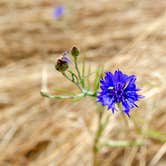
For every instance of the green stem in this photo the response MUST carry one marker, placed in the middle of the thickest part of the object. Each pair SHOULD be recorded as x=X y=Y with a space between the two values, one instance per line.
x=78 y=71
x=83 y=94
x=61 y=97
x=74 y=75
x=97 y=137
x=66 y=76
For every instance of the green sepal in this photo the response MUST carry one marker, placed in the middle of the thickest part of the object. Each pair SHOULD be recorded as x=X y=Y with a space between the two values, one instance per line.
x=75 y=52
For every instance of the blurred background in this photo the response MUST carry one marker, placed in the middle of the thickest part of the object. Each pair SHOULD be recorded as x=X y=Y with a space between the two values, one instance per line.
x=125 y=34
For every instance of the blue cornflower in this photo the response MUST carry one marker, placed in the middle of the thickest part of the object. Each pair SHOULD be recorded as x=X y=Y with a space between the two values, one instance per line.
x=118 y=88
x=58 y=12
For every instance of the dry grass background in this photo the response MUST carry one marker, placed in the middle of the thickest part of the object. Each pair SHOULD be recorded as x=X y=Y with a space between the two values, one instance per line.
x=125 y=34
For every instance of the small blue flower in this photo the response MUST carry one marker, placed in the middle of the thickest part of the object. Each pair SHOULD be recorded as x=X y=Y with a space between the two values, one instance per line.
x=58 y=12
x=118 y=88
x=65 y=57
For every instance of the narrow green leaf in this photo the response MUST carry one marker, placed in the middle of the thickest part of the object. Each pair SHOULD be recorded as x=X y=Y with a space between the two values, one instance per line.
x=83 y=66
x=88 y=76
x=83 y=72
x=97 y=79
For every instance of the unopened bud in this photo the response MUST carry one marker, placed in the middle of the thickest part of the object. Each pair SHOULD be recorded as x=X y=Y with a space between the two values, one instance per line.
x=75 y=52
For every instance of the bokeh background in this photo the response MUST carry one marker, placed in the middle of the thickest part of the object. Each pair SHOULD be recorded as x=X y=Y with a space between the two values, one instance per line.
x=125 y=34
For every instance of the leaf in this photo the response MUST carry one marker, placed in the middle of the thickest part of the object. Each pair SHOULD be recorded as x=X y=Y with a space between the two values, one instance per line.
x=83 y=67
x=97 y=79
x=88 y=77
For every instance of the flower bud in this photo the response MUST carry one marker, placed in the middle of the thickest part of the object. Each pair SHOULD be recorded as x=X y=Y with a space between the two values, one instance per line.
x=62 y=63
x=75 y=52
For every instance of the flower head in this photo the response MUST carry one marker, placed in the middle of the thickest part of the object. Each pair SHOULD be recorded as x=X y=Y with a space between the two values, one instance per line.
x=58 y=12
x=63 y=62
x=118 y=88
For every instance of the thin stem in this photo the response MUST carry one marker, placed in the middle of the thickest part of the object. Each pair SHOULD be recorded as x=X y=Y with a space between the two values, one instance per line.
x=84 y=91
x=83 y=94
x=78 y=71
x=97 y=137
x=45 y=94
x=83 y=72
x=73 y=74
x=66 y=76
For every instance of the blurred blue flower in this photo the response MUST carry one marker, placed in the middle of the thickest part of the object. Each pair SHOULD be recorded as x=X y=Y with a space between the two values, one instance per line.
x=118 y=88
x=65 y=57
x=58 y=12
